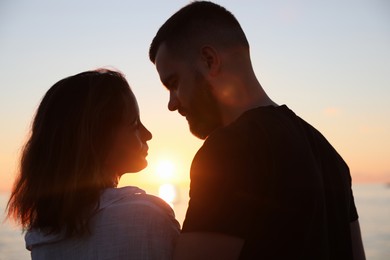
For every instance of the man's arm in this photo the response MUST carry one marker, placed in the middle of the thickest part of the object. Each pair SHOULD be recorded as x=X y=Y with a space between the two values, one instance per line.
x=207 y=246
x=357 y=243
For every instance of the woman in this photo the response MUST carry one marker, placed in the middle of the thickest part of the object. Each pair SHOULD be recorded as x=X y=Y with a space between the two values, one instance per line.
x=87 y=133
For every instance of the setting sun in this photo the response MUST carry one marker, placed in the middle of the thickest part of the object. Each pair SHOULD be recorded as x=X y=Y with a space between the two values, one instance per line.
x=165 y=169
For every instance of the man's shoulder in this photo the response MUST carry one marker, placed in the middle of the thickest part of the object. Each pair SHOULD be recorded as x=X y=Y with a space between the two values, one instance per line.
x=255 y=122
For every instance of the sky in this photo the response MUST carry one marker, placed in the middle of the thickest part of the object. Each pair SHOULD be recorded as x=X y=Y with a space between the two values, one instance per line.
x=329 y=61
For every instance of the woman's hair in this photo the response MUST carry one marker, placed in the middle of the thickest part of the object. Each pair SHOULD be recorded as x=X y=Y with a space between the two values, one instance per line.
x=61 y=171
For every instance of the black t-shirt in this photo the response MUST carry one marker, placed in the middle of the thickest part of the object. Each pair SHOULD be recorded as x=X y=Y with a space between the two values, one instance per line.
x=275 y=181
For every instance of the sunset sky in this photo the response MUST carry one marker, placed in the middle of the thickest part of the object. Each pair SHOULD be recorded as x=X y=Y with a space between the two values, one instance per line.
x=329 y=61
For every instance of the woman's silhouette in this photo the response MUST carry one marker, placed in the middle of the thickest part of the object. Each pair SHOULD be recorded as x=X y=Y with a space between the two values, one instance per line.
x=85 y=135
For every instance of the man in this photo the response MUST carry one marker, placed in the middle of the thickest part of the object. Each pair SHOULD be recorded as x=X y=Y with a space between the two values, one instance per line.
x=265 y=184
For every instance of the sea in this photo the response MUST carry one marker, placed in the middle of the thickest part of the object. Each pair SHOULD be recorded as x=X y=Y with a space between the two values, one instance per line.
x=372 y=201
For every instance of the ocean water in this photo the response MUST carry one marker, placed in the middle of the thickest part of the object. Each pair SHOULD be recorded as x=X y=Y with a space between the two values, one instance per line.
x=373 y=204
x=372 y=200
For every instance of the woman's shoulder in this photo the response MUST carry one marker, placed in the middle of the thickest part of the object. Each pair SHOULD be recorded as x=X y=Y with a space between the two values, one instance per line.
x=134 y=201
x=128 y=195
x=138 y=221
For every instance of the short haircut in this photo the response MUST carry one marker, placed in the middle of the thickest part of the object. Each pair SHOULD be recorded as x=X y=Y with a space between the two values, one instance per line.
x=200 y=22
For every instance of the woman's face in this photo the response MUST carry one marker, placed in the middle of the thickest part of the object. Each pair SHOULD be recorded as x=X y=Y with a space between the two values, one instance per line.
x=128 y=149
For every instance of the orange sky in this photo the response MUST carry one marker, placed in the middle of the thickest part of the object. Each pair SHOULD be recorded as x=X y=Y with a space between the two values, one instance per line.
x=329 y=61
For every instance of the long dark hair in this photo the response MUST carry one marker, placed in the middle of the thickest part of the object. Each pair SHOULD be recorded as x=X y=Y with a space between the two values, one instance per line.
x=61 y=171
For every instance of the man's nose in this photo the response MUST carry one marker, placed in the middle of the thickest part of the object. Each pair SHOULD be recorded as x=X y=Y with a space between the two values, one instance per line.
x=173 y=103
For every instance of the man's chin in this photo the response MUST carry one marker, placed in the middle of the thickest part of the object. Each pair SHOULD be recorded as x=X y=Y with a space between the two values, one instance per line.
x=199 y=132
x=200 y=136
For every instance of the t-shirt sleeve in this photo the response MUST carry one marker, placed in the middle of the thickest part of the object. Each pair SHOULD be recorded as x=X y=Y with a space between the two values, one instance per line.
x=352 y=209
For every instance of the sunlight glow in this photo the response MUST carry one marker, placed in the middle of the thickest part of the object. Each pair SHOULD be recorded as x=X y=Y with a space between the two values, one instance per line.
x=165 y=169
x=168 y=193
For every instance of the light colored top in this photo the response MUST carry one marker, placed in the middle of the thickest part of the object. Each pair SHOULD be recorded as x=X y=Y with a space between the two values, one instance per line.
x=129 y=224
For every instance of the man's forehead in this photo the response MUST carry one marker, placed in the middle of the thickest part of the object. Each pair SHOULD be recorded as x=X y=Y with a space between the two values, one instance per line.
x=166 y=64
x=163 y=54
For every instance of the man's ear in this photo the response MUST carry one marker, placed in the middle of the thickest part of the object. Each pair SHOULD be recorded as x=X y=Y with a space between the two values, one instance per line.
x=211 y=60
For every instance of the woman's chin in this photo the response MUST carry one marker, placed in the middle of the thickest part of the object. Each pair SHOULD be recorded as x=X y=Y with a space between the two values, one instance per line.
x=137 y=168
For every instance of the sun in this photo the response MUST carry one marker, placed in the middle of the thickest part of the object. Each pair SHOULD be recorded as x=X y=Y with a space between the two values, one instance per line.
x=165 y=170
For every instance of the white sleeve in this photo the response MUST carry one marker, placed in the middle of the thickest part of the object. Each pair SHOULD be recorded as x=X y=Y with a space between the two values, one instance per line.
x=142 y=228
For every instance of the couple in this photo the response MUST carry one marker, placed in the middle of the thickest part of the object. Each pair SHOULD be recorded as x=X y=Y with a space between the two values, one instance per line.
x=264 y=185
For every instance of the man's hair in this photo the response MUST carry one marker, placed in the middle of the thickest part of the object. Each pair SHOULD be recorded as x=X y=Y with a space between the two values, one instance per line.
x=200 y=22
x=61 y=171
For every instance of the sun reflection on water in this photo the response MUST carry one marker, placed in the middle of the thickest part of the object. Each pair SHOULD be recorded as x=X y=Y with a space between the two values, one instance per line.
x=168 y=192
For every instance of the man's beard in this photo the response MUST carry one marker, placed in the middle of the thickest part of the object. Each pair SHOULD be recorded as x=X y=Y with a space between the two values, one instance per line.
x=204 y=115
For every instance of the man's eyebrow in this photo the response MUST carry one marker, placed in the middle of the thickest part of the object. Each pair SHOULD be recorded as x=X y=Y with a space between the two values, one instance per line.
x=166 y=81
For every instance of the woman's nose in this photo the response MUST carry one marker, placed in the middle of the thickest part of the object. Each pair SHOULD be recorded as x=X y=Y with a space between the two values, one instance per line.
x=147 y=135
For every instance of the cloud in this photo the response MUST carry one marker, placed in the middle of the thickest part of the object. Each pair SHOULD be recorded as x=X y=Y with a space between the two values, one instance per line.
x=332 y=112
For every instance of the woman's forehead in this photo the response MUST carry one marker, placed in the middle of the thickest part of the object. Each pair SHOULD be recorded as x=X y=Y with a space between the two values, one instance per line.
x=132 y=109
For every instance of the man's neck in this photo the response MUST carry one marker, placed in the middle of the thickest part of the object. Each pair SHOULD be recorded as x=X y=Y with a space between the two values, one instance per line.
x=230 y=114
